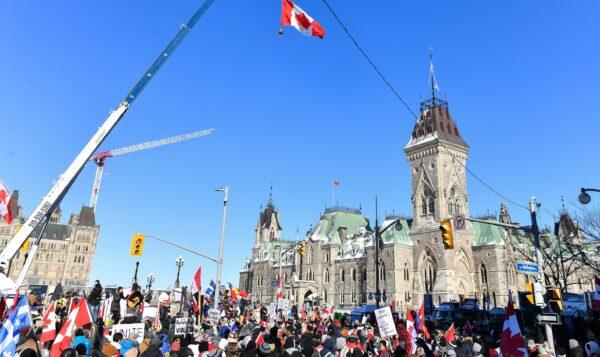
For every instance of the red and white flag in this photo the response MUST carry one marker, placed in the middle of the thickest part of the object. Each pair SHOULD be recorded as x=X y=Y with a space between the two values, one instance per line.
x=5 y=200
x=49 y=324
x=512 y=343
x=450 y=334
x=279 y=294
x=156 y=325
x=421 y=324
x=196 y=283
x=260 y=339
x=412 y=331
x=596 y=301
x=336 y=184
x=78 y=317
x=292 y=15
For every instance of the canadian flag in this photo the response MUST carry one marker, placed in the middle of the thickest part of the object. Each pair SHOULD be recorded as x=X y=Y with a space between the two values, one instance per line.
x=5 y=201
x=78 y=317
x=421 y=321
x=596 y=302
x=412 y=331
x=292 y=15
x=450 y=334
x=512 y=343
x=49 y=324
x=260 y=339
x=279 y=294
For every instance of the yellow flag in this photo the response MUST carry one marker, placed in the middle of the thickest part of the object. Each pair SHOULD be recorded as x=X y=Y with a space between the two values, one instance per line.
x=25 y=246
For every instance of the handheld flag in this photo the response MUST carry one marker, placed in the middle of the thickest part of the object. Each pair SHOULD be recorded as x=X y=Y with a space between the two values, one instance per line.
x=512 y=343
x=11 y=329
x=412 y=331
x=49 y=324
x=5 y=203
x=292 y=15
x=421 y=321
x=450 y=334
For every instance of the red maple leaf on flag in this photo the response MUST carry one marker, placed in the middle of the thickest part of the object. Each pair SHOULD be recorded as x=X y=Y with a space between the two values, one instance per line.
x=302 y=20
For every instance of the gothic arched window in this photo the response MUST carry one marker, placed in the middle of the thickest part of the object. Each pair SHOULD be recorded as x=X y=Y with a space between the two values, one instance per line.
x=326 y=278
x=483 y=272
x=353 y=275
x=342 y=275
x=428 y=202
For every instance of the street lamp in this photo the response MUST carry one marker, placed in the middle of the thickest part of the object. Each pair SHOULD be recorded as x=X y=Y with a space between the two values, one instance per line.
x=225 y=190
x=585 y=197
x=150 y=279
x=179 y=263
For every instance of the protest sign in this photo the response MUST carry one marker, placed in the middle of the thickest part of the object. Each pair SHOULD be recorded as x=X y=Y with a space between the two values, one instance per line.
x=129 y=329
x=184 y=326
x=385 y=322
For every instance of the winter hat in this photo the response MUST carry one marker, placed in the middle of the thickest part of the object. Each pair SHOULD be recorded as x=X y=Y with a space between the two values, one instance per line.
x=573 y=343
x=340 y=343
x=592 y=348
x=264 y=349
x=476 y=347
x=126 y=345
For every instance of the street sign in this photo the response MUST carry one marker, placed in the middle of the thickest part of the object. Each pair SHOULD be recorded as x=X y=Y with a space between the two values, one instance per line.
x=460 y=222
x=274 y=282
x=527 y=268
x=548 y=318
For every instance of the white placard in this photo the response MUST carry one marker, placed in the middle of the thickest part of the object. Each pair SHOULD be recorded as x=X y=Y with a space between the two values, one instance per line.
x=284 y=305
x=129 y=329
x=385 y=322
x=214 y=315
x=184 y=326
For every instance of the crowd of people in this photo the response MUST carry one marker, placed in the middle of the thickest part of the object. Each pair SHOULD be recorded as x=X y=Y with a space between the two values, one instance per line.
x=246 y=329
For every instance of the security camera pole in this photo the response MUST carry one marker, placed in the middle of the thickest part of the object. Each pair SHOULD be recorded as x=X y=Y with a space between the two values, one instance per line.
x=220 y=257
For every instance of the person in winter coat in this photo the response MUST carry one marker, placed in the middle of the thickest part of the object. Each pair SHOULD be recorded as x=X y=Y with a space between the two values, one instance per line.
x=115 y=306
x=94 y=299
x=81 y=339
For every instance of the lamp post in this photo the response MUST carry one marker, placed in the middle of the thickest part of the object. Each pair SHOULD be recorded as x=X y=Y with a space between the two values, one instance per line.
x=225 y=190
x=150 y=279
x=584 y=196
x=179 y=263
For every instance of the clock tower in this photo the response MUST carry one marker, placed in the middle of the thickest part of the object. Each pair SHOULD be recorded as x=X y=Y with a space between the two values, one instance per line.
x=437 y=155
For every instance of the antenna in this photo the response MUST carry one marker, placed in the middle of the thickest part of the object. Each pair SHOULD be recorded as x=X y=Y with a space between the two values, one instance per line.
x=432 y=81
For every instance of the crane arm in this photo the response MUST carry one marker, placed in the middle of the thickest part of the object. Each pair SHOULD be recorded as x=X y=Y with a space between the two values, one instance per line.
x=64 y=182
x=152 y=144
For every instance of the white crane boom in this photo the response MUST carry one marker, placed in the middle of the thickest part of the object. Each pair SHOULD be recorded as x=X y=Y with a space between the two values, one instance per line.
x=64 y=182
x=100 y=157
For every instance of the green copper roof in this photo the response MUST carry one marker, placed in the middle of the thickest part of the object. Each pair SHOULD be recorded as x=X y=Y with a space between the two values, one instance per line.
x=487 y=234
x=398 y=233
x=327 y=229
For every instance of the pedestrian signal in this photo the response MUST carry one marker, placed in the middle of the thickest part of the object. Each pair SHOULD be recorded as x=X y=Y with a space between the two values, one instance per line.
x=554 y=297
x=137 y=245
x=529 y=294
x=301 y=249
x=447 y=238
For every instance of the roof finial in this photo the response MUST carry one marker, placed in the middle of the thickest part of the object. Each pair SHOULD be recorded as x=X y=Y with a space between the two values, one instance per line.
x=562 y=200
x=432 y=81
x=271 y=195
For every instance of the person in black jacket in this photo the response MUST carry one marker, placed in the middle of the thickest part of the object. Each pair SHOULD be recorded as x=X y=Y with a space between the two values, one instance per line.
x=115 y=306
x=94 y=299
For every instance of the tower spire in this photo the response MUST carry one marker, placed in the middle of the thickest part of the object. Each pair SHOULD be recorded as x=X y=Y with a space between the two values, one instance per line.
x=271 y=194
x=432 y=81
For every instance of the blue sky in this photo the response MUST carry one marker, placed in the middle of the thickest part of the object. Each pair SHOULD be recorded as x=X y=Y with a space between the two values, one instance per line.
x=521 y=79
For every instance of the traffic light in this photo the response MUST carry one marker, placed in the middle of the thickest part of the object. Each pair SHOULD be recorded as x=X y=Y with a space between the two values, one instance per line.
x=302 y=249
x=554 y=298
x=137 y=245
x=447 y=238
x=529 y=295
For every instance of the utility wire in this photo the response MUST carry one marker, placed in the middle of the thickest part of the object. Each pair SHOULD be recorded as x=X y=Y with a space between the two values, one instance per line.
x=369 y=60
x=391 y=87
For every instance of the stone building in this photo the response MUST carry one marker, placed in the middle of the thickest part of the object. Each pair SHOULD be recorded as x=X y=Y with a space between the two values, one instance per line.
x=66 y=251
x=339 y=263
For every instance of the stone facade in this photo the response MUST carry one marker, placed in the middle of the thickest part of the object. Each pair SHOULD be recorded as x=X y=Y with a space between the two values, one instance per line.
x=339 y=264
x=66 y=251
